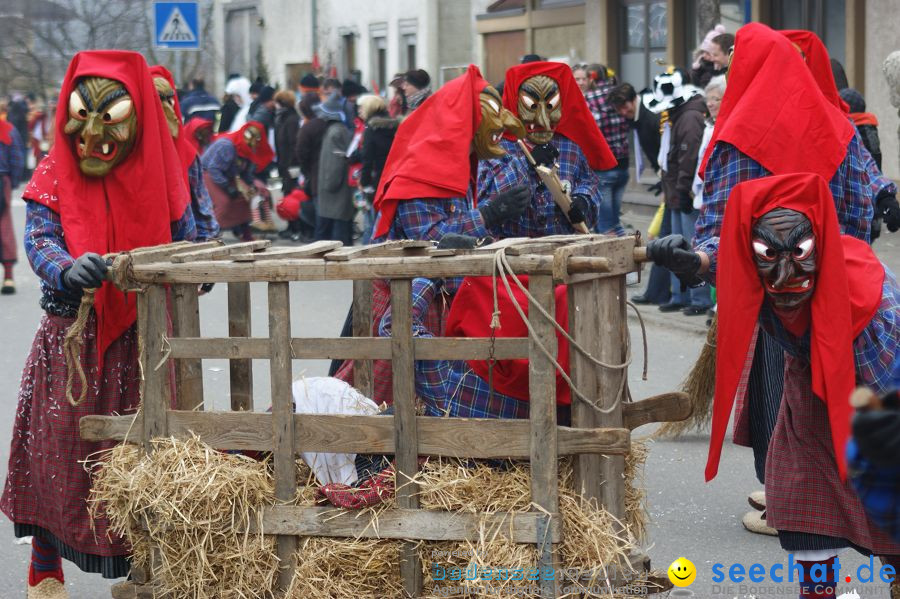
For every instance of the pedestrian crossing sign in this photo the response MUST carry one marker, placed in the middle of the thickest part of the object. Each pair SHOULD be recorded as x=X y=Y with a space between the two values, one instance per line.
x=177 y=25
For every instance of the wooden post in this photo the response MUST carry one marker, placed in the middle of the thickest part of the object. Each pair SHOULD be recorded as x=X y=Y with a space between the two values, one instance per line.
x=610 y=303
x=280 y=370
x=362 y=327
x=405 y=433
x=157 y=390
x=542 y=413
x=585 y=328
x=241 y=371
x=186 y=323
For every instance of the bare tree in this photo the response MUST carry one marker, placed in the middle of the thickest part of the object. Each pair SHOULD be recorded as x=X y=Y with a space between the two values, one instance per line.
x=708 y=15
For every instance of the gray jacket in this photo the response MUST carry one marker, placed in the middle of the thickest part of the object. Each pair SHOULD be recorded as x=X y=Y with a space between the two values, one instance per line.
x=335 y=198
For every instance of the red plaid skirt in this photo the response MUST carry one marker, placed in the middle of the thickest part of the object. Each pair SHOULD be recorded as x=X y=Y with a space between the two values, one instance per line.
x=46 y=485
x=8 y=249
x=804 y=492
x=382 y=376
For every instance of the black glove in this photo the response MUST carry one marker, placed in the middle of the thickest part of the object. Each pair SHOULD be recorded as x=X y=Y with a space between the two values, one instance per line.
x=674 y=253
x=655 y=189
x=88 y=272
x=875 y=229
x=455 y=241
x=888 y=209
x=545 y=154
x=685 y=202
x=877 y=435
x=580 y=207
x=504 y=206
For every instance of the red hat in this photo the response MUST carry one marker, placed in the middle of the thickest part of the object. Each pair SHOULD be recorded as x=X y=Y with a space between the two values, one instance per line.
x=577 y=122
x=839 y=312
x=193 y=126
x=816 y=56
x=134 y=205
x=773 y=110
x=187 y=151
x=5 y=132
x=470 y=316
x=431 y=155
x=262 y=156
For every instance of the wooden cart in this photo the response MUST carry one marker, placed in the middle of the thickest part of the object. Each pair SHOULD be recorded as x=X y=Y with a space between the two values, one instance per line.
x=594 y=268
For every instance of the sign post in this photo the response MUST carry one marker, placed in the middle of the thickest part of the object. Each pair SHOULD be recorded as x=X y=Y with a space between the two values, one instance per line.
x=177 y=27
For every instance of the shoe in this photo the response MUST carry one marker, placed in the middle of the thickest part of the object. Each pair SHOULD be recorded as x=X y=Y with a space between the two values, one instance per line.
x=694 y=311
x=641 y=299
x=49 y=588
x=711 y=312
x=755 y=522
x=263 y=226
x=757 y=500
x=671 y=307
x=286 y=234
x=9 y=287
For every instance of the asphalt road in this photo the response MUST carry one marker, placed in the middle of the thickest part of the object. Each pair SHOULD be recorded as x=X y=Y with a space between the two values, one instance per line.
x=689 y=517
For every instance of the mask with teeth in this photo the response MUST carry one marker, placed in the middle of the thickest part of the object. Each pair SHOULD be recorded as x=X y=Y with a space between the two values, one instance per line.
x=539 y=108
x=252 y=136
x=494 y=120
x=102 y=124
x=784 y=247
x=167 y=98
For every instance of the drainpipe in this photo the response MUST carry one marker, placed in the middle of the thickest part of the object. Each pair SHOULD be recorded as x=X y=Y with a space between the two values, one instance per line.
x=315 y=27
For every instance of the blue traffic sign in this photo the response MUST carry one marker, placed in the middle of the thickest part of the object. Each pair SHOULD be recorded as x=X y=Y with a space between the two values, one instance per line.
x=177 y=25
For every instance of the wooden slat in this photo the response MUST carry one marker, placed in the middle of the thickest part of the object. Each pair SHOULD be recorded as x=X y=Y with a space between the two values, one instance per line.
x=165 y=252
x=281 y=373
x=406 y=450
x=131 y=590
x=542 y=416
x=387 y=248
x=610 y=303
x=314 y=249
x=157 y=389
x=186 y=323
x=451 y=437
x=585 y=327
x=668 y=407
x=401 y=523
x=362 y=327
x=221 y=251
x=362 y=348
x=240 y=372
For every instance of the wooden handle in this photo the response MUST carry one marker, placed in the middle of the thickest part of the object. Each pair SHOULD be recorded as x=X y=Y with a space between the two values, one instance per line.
x=587 y=264
x=640 y=254
x=526 y=152
x=582 y=228
x=864 y=399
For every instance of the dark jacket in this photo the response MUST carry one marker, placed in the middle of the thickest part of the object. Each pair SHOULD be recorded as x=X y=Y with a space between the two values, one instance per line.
x=287 y=124
x=307 y=151
x=687 y=134
x=869 y=135
x=199 y=103
x=335 y=197
x=647 y=126
x=262 y=115
x=376 y=144
x=706 y=71
x=227 y=114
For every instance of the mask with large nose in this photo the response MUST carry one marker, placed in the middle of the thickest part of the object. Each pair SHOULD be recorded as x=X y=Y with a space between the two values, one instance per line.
x=167 y=99
x=539 y=108
x=784 y=247
x=102 y=124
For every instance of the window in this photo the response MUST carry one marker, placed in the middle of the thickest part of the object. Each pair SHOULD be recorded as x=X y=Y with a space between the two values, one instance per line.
x=348 y=53
x=826 y=18
x=379 y=48
x=408 y=51
x=644 y=44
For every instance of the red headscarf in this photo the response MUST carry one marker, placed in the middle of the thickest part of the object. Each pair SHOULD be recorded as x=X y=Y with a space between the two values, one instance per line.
x=192 y=126
x=262 y=156
x=5 y=132
x=470 y=316
x=774 y=112
x=431 y=155
x=186 y=150
x=130 y=207
x=577 y=122
x=839 y=311
x=816 y=57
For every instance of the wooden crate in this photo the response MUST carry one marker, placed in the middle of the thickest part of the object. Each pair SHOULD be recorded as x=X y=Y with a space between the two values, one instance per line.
x=594 y=267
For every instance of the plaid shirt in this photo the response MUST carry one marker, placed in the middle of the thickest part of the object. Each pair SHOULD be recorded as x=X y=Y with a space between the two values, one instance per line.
x=851 y=187
x=201 y=204
x=451 y=388
x=877 y=180
x=613 y=127
x=542 y=217
x=12 y=158
x=432 y=218
x=221 y=161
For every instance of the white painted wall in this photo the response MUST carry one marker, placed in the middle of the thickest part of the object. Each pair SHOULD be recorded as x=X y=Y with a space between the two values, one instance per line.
x=882 y=24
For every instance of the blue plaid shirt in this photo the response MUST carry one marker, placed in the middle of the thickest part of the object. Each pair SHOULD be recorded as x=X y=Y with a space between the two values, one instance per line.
x=430 y=219
x=451 y=388
x=613 y=127
x=221 y=161
x=851 y=187
x=12 y=158
x=201 y=204
x=542 y=217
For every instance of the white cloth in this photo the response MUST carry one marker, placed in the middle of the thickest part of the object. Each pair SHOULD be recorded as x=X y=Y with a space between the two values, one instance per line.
x=664 y=142
x=327 y=395
x=639 y=164
x=239 y=87
x=697 y=185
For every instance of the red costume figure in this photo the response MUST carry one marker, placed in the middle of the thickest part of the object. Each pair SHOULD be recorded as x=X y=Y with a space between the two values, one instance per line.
x=112 y=182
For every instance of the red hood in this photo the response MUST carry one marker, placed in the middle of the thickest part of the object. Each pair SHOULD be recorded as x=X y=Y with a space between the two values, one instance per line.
x=187 y=151
x=816 y=57
x=262 y=156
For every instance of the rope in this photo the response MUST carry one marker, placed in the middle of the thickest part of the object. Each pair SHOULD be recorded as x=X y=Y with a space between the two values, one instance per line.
x=501 y=265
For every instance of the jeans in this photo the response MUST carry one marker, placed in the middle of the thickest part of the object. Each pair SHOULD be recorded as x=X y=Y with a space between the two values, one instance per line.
x=612 y=188
x=683 y=224
x=334 y=229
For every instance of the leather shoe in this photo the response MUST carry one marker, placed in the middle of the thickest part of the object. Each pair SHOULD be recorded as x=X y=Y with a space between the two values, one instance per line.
x=641 y=299
x=694 y=311
x=671 y=307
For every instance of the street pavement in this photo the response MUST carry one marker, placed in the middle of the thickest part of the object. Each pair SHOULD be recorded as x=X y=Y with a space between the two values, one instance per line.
x=690 y=518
